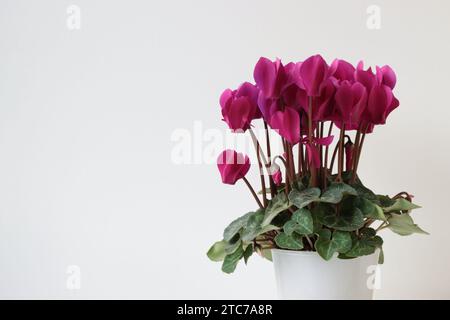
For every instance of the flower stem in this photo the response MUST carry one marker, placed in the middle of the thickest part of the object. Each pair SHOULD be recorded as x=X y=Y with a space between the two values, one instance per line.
x=269 y=162
x=253 y=192
x=261 y=172
x=326 y=156
x=310 y=138
x=355 y=154
x=355 y=169
x=341 y=154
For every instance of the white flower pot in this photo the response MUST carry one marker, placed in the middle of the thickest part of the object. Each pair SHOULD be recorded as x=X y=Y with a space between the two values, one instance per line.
x=305 y=275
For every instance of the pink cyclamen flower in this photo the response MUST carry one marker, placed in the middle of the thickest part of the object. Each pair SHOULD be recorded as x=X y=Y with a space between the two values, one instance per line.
x=366 y=77
x=277 y=177
x=272 y=77
x=351 y=99
x=380 y=104
x=240 y=107
x=386 y=76
x=287 y=123
x=342 y=70
x=232 y=166
x=313 y=71
x=276 y=83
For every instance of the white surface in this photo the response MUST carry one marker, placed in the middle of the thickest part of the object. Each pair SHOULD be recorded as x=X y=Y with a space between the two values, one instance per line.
x=306 y=276
x=86 y=118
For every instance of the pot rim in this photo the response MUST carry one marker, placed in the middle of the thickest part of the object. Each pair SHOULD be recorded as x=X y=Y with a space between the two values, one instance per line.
x=295 y=252
x=311 y=253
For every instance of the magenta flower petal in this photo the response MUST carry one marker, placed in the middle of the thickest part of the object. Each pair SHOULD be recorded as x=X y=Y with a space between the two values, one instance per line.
x=287 y=123
x=342 y=70
x=313 y=72
x=225 y=97
x=377 y=104
x=386 y=76
x=265 y=75
x=240 y=107
x=325 y=141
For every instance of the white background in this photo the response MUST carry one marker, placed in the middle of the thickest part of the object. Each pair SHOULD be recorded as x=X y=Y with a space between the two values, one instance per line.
x=86 y=119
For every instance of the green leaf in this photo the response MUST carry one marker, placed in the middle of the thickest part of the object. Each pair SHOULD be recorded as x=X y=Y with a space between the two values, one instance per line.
x=302 y=198
x=403 y=225
x=365 y=193
x=292 y=242
x=247 y=253
x=349 y=219
x=230 y=262
x=231 y=247
x=278 y=204
x=336 y=192
x=324 y=246
x=253 y=226
x=361 y=248
x=250 y=235
x=367 y=233
x=369 y=209
x=344 y=256
x=217 y=251
x=385 y=201
x=401 y=204
x=304 y=220
x=267 y=254
x=289 y=227
x=343 y=241
x=235 y=226
x=328 y=244
x=365 y=245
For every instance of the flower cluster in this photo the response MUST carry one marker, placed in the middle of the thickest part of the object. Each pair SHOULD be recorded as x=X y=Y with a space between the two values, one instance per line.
x=314 y=199
x=297 y=98
x=283 y=95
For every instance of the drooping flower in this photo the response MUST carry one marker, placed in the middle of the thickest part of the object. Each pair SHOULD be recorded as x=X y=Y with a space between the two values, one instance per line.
x=287 y=123
x=232 y=166
x=349 y=147
x=277 y=177
x=240 y=107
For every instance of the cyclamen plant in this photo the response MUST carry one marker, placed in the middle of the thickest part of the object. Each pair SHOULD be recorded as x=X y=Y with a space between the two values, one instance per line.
x=320 y=204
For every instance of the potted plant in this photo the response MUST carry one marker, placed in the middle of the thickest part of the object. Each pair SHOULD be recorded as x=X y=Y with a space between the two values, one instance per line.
x=315 y=218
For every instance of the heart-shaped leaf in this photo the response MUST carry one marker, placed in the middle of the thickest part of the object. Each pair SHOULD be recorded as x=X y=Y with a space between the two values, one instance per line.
x=217 y=251
x=401 y=204
x=278 y=204
x=235 y=226
x=369 y=209
x=304 y=220
x=292 y=242
x=302 y=198
x=336 y=191
x=230 y=262
x=404 y=225
x=349 y=219
x=324 y=246
x=343 y=241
